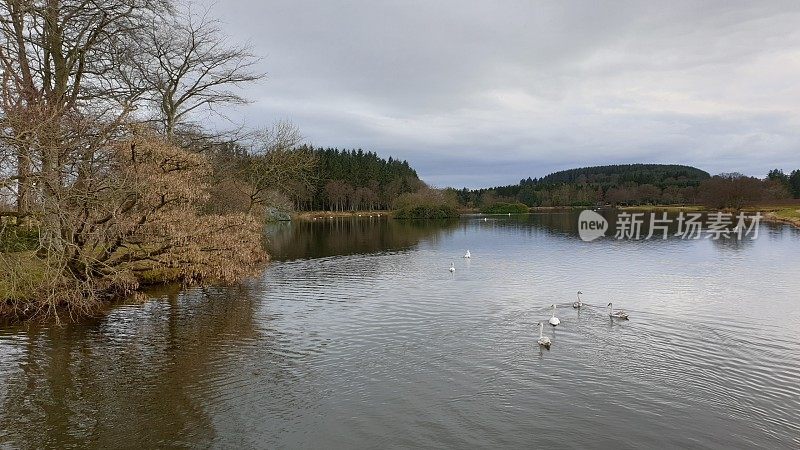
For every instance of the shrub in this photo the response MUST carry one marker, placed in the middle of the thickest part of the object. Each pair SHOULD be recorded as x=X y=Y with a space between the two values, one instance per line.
x=426 y=203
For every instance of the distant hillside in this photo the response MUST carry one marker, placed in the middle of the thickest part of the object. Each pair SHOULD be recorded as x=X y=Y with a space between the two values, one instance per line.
x=660 y=175
x=618 y=184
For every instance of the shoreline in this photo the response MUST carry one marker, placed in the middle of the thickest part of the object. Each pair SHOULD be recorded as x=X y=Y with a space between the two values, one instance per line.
x=770 y=213
x=775 y=218
x=788 y=214
x=783 y=214
x=320 y=215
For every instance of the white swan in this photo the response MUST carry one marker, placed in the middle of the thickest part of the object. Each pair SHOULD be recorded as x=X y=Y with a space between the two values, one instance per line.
x=554 y=320
x=578 y=304
x=485 y=219
x=544 y=341
x=619 y=314
x=452 y=267
x=467 y=255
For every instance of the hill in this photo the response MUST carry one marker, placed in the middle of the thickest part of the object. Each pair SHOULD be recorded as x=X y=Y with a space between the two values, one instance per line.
x=621 y=184
x=661 y=175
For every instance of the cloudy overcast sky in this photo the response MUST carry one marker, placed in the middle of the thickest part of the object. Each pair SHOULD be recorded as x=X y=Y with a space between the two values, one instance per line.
x=481 y=93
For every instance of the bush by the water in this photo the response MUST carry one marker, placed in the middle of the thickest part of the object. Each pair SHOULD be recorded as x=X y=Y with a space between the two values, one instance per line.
x=426 y=203
x=505 y=208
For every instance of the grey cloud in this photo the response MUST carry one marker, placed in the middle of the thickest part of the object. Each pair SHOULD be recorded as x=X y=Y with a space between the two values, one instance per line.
x=486 y=93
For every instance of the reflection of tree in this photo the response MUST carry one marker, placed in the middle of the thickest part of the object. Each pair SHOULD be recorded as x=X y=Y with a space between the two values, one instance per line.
x=733 y=244
x=144 y=376
x=564 y=224
x=347 y=236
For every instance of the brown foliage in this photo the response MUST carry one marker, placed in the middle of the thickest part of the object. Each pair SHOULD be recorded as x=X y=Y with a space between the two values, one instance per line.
x=730 y=191
x=134 y=220
x=114 y=204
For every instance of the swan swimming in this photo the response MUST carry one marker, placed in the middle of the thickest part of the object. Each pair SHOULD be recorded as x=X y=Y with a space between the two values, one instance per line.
x=452 y=267
x=554 y=320
x=619 y=314
x=467 y=255
x=578 y=304
x=544 y=341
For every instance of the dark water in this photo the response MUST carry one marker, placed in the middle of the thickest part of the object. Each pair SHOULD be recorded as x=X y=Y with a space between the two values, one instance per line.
x=360 y=337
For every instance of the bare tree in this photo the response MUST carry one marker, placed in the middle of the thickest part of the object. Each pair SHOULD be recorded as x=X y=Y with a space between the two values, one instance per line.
x=338 y=192
x=59 y=62
x=111 y=201
x=184 y=64
x=138 y=215
x=730 y=190
x=276 y=161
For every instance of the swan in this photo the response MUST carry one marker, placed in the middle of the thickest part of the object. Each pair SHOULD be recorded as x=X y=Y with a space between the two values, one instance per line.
x=485 y=219
x=467 y=255
x=452 y=267
x=619 y=314
x=544 y=341
x=554 y=320
x=578 y=304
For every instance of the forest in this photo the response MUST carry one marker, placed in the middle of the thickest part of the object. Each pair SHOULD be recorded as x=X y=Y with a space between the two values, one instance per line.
x=357 y=180
x=638 y=184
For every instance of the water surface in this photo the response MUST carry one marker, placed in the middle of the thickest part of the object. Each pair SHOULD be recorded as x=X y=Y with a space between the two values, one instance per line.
x=358 y=336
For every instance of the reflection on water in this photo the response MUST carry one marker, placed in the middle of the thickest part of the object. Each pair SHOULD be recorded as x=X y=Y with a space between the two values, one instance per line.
x=349 y=236
x=359 y=337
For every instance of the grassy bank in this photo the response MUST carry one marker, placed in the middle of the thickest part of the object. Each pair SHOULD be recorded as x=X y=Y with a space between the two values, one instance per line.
x=784 y=212
x=791 y=216
x=319 y=215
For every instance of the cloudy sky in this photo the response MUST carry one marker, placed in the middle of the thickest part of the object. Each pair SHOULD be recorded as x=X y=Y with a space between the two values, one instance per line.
x=480 y=93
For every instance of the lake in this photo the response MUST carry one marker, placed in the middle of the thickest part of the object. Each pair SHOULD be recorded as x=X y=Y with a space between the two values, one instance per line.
x=357 y=336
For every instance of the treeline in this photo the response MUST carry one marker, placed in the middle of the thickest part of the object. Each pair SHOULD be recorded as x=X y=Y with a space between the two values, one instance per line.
x=789 y=182
x=637 y=184
x=355 y=180
x=661 y=175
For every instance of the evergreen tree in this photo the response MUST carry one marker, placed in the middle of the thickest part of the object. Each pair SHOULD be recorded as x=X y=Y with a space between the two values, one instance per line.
x=794 y=183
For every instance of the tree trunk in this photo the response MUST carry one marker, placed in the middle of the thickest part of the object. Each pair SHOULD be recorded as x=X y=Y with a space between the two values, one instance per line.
x=23 y=186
